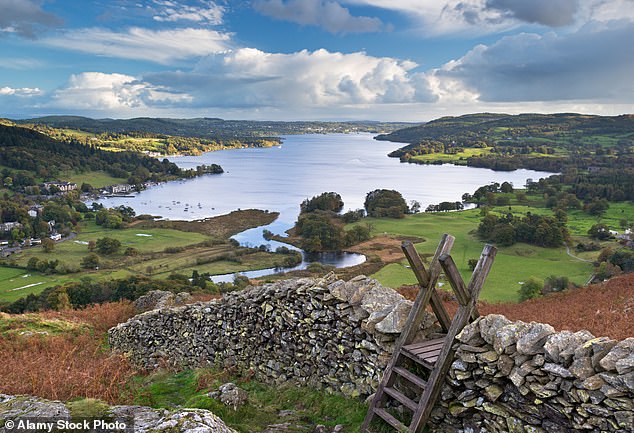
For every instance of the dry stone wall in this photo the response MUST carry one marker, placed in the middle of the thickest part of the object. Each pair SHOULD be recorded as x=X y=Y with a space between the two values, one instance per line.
x=525 y=377
x=506 y=377
x=324 y=332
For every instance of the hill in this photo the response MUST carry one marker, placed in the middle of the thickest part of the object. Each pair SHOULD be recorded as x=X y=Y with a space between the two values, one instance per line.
x=210 y=128
x=30 y=156
x=604 y=309
x=550 y=142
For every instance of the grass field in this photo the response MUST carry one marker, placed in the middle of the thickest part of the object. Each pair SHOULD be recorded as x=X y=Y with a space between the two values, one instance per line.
x=97 y=179
x=513 y=264
x=145 y=240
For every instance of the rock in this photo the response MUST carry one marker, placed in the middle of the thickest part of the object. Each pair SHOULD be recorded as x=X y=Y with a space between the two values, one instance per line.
x=394 y=322
x=561 y=346
x=230 y=395
x=145 y=419
x=508 y=335
x=490 y=326
x=532 y=342
x=621 y=350
x=160 y=299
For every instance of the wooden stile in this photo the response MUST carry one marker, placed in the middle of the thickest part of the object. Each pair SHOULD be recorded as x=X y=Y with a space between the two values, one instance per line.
x=435 y=355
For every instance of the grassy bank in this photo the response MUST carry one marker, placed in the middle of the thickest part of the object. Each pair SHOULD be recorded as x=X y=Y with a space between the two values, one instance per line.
x=161 y=248
x=513 y=264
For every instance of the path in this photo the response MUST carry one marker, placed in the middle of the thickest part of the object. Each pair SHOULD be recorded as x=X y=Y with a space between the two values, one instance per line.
x=575 y=257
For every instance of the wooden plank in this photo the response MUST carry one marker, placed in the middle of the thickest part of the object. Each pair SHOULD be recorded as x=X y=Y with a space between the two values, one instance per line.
x=423 y=278
x=425 y=351
x=445 y=358
x=455 y=279
x=437 y=342
x=399 y=426
x=410 y=377
x=410 y=329
x=401 y=398
x=418 y=360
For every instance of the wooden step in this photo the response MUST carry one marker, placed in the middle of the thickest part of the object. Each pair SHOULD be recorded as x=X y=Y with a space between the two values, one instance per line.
x=410 y=377
x=426 y=352
x=401 y=398
x=399 y=426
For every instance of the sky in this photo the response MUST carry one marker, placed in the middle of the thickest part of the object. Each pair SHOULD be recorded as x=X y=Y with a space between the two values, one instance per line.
x=386 y=60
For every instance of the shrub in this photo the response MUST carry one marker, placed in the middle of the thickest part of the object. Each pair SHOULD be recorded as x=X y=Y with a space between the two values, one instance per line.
x=107 y=246
x=532 y=288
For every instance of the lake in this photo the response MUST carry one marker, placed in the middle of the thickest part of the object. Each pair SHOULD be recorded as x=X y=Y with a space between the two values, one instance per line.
x=280 y=178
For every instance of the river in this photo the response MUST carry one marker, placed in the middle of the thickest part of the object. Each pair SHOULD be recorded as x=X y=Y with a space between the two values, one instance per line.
x=280 y=178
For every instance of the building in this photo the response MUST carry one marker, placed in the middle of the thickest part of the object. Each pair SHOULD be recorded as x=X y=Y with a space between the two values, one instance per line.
x=8 y=226
x=62 y=186
x=121 y=188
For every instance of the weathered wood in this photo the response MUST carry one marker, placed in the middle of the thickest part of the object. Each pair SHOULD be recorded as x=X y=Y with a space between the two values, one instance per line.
x=411 y=377
x=401 y=398
x=424 y=277
x=455 y=279
x=437 y=354
x=399 y=426
x=414 y=319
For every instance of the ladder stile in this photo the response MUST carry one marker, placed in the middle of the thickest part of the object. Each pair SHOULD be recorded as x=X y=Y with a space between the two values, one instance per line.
x=436 y=354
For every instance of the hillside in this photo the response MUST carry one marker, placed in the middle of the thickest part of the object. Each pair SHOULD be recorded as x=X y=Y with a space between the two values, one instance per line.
x=604 y=309
x=43 y=157
x=210 y=128
x=549 y=142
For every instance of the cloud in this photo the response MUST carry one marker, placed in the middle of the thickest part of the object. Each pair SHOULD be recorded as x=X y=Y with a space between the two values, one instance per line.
x=553 y=13
x=23 y=91
x=160 y=46
x=206 y=12
x=435 y=17
x=108 y=92
x=25 y=17
x=593 y=63
x=252 y=78
x=19 y=63
x=328 y=14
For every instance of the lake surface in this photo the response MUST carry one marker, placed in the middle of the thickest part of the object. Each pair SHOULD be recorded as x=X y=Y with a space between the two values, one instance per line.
x=280 y=178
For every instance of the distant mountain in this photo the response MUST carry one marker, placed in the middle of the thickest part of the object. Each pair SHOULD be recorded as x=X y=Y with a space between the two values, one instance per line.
x=490 y=126
x=210 y=128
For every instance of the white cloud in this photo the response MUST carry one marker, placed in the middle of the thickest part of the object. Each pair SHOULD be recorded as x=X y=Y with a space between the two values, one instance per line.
x=205 y=12
x=252 y=78
x=433 y=17
x=22 y=91
x=19 y=63
x=108 y=92
x=328 y=14
x=24 y=17
x=160 y=46
x=593 y=63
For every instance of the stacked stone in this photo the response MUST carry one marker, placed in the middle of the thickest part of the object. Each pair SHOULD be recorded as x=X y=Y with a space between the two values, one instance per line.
x=144 y=419
x=525 y=377
x=323 y=332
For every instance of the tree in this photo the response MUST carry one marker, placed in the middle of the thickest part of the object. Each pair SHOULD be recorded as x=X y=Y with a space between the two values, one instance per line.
x=107 y=246
x=532 y=288
x=327 y=201
x=599 y=231
x=385 y=203
x=91 y=261
x=48 y=245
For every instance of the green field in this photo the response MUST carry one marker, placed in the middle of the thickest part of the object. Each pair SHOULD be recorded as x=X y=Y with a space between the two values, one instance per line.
x=97 y=179
x=513 y=264
x=145 y=240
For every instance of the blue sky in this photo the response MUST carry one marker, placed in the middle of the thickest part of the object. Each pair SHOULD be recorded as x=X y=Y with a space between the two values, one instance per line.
x=408 y=60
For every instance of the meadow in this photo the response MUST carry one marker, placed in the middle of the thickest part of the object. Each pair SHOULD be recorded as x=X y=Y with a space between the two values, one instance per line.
x=513 y=265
